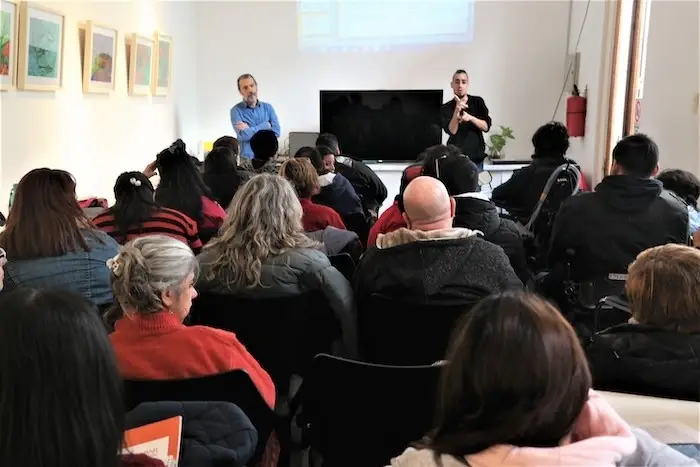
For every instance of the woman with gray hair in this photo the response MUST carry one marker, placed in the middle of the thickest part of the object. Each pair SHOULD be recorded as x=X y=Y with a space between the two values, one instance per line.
x=262 y=252
x=153 y=280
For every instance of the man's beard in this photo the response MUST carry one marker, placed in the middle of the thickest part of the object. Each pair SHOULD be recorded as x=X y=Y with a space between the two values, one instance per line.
x=252 y=98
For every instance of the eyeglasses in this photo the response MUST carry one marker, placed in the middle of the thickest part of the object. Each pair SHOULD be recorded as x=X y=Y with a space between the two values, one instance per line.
x=437 y=165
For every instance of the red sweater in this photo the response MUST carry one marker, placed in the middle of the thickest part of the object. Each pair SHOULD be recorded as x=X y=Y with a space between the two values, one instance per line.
x=159 y=346
x=390 y=220
x=318 y=217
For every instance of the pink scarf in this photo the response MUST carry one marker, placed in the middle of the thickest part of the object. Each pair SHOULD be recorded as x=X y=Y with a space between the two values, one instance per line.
x=600 y=439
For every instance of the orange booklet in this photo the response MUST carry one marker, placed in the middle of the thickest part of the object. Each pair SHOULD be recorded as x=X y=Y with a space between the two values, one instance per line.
x=160 y=440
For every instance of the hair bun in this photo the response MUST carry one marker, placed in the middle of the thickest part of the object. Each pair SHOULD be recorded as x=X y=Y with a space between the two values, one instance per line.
x=134 y=181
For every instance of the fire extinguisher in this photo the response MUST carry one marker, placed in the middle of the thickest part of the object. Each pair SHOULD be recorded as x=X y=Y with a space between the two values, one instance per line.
x=576 y=114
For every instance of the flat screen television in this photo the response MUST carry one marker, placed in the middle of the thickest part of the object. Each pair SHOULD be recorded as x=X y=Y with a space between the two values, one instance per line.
x=386 y=126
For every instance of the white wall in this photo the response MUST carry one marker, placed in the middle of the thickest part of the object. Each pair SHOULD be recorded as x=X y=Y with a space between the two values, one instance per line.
x=595 y=48
x=516 y=63
x=96 y=137
x=671 y=81
x=669 y=112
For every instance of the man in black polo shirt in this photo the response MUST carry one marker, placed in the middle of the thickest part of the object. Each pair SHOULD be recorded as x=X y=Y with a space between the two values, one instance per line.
x=466 y=118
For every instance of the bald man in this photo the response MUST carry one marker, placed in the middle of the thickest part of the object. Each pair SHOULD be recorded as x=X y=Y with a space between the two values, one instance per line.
x=427 y=205
x=431 y=261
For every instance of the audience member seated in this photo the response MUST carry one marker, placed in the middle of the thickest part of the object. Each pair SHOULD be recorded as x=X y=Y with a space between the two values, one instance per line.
x=336 y=191
x=628 y=213
x=243 y=163
x=657 y=352
x=262 y=252
x=304 y=151
x=520 y=194
x=136 y=213
x=181 y=188
x=302 y=175
x=473 y=209
x=430 y=261
x=392 y=217
x=221 y=175
x=153 y=282
x=517 y=392
x=687 y=187
x=264 y=145
x=61 y=396
x=50 y=242
x=368 y=186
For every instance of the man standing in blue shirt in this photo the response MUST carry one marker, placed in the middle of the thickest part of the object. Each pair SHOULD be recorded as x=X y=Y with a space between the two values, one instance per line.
x=250 y=115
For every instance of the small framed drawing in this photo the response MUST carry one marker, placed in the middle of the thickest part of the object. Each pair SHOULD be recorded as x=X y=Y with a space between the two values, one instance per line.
x=9 y=20
x=140 y=51
x=41 y=36
x=163 y=69
x=99 y=58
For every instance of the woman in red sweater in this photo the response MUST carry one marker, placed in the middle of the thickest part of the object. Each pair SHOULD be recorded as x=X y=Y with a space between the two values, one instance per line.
x=152 y=280
x=303 y=177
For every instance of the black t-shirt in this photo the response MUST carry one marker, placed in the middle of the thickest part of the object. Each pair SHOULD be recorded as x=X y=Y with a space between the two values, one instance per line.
x=469 y=138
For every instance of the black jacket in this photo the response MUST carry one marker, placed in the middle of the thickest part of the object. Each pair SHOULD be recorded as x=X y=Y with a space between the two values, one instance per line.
x=646 y=360
x=608 y=228
x=468 y=138
x=452 y=265
x=213 y=433
x=368 y=186
x=521 y=192
x=337 y=193
x=481 y=214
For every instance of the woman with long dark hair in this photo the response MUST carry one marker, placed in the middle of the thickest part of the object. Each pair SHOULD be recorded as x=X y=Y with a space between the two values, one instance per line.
x=516 y=391
x=50 y=242
x=136 y=213
x=60 y=392
x=181 y=188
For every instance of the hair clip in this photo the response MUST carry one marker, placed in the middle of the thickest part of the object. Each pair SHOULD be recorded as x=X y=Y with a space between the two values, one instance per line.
x=134 y=181
x=114 y=266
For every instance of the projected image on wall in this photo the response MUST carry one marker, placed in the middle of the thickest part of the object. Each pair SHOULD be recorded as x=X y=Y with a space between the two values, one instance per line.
x=367 y=25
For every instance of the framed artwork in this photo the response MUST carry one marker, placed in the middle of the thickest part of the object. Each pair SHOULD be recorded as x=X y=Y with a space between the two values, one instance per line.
x=99 y=58
x=9 y=21
x=41 y=35
x=163 y=67
x=140 y=51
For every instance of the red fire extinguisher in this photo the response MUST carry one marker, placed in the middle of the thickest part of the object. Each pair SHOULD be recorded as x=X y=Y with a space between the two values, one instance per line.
x=576 y=114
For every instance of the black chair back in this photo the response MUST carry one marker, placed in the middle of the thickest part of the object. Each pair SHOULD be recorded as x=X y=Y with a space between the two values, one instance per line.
x=234 y=386
x=358 y=223
x=393 y=331
x=283 y=334
x=590 y=310
x=356 y=413
x=344 y=263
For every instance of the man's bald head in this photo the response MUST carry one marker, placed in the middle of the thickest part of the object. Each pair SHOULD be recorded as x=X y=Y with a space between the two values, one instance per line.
x=427 y=205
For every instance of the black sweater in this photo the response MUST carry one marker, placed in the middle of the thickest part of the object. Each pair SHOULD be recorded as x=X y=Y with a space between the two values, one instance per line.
x=469 y=138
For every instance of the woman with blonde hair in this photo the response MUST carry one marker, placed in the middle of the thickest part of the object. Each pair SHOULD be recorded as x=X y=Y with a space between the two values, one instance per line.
x=262 y=252
x=516 y=391
x=656 y=353
x=153 y=282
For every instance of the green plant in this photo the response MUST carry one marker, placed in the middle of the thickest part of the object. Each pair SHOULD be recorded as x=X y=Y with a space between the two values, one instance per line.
x=499 y=140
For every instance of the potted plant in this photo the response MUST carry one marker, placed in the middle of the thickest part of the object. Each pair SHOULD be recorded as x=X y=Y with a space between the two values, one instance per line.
x=498 y=142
